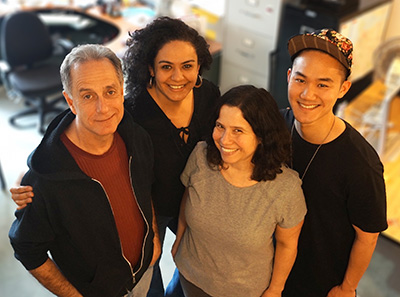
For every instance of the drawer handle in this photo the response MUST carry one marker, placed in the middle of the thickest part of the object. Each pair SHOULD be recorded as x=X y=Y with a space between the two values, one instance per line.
x=253 y=3
x=245 y=54
x=248 y=42
x=243 y=79
x=250 y=14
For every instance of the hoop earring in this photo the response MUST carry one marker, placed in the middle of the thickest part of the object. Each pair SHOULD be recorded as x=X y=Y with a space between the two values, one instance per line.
x=151 y=81
x=199 y=78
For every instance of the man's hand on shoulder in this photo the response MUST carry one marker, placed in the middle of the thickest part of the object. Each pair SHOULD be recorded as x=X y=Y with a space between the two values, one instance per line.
x=22 y=195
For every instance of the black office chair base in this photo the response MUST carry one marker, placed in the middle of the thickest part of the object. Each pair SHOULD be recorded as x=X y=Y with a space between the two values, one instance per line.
x=38 y=107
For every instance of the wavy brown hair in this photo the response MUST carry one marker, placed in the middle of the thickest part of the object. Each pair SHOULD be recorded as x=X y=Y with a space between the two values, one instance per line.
x=261 y=111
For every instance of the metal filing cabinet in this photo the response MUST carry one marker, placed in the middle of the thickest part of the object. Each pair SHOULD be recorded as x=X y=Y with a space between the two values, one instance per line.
x=250 y=36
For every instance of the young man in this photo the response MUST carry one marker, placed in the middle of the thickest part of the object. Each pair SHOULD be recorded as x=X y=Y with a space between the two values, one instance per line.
x=92 y=175
x=342 y=175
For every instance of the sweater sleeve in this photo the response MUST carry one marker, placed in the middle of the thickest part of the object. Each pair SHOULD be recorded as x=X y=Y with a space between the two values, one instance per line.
x=192 y=163
x=293 y=207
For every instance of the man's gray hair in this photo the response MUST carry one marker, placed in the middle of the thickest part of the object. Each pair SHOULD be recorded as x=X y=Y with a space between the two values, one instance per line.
x=85 y=53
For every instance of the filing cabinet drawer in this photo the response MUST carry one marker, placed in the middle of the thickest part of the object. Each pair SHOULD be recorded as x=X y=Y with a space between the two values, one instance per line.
x=247 y=49
x=261 y=16
x=234 y=75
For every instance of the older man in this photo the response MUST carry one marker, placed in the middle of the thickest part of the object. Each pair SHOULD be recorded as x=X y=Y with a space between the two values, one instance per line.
x=92 y=175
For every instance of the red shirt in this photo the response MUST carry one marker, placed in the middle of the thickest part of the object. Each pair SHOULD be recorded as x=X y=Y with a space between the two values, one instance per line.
x=111 y=169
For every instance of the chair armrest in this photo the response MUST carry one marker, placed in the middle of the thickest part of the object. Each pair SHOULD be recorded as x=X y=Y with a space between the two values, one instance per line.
x=65 y=44
x=5 y=68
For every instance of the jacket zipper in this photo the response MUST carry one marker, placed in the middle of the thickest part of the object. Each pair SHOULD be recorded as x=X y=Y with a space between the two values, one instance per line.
x=144 y=218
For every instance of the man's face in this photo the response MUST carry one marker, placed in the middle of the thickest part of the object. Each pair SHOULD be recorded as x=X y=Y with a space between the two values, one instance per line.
x=96 y=99
x=315 y=82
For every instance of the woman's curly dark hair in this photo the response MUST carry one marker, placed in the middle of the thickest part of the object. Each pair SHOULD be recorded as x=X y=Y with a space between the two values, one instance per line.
x=144 y=44
x=260 y=110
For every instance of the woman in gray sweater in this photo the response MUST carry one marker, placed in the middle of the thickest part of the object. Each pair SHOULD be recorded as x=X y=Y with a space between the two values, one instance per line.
x=239 y=195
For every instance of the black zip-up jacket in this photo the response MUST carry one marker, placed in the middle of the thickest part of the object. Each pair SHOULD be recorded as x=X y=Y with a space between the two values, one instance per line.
x=71 y=216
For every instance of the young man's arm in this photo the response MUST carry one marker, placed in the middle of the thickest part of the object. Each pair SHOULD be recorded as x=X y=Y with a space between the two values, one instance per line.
x=360 y=256
x=52 y=279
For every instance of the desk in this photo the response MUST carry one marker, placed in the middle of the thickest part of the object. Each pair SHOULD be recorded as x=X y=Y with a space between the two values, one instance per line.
x=104 y=29
x=118 y=43
x=124 y=26
x=391 y=158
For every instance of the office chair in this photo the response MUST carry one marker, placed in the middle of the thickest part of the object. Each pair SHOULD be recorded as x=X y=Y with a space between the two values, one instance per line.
x=29 y=69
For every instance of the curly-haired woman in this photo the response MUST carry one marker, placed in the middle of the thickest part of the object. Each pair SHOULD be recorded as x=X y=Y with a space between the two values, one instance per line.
x=240 y=196
x=168 y=97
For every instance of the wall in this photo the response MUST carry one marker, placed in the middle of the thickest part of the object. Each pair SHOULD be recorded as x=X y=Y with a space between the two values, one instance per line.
x=394 y=21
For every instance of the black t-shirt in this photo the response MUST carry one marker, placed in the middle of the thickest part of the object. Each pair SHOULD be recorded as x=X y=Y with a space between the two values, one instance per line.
x=343 y=186
x=171 y=151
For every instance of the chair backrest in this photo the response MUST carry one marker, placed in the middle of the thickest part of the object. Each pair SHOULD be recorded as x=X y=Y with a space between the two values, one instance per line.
x=24 y=39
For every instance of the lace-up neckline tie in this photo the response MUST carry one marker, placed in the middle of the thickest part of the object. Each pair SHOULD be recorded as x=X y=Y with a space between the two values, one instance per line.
x=182 y=132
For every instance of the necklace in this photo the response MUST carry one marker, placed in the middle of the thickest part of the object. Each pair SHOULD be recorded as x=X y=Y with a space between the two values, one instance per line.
x=316 y=151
